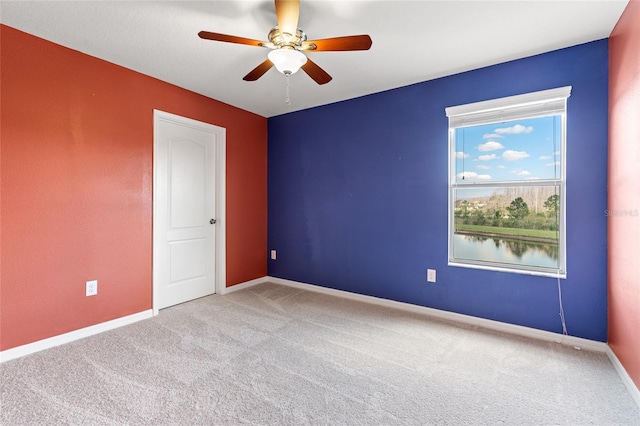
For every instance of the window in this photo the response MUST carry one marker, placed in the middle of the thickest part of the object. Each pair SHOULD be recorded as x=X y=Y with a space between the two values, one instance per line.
x=507 y=183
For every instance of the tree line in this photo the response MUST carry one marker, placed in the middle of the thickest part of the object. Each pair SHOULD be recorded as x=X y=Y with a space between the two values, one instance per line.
x=515 y=215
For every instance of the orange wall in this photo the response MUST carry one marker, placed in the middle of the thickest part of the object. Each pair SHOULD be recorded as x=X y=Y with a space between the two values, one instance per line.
x=76 y=187
x=624 y=190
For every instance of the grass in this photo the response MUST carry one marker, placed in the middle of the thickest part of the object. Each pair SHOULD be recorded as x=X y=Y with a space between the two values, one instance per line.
x=508 y=231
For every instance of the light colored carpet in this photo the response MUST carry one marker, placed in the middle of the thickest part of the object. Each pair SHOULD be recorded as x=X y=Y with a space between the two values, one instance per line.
x=276 y=355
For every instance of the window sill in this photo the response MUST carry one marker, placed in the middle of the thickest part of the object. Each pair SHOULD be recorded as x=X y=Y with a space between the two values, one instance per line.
x=551 y=274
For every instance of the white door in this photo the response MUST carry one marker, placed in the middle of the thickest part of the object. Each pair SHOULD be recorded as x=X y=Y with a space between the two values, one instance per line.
x=186 y=219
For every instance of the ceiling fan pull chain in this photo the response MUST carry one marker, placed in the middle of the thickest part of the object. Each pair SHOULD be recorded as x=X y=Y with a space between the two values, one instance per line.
x=287 y=99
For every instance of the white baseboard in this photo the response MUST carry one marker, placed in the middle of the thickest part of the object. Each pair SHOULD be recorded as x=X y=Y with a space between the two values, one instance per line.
x=245 y=284
x=61 y=339
x=519 y=330
x=626 y=379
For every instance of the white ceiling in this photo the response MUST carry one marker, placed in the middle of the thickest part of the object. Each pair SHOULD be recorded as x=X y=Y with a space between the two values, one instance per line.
x=413 y=41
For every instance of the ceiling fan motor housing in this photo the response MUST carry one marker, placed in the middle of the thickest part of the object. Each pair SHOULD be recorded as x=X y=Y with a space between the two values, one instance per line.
x=280 y=39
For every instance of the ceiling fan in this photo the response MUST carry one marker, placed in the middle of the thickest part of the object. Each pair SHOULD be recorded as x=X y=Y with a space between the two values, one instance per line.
x=288 y=42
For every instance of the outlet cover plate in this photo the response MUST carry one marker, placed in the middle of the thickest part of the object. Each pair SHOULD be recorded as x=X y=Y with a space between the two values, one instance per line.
x=431 y=275
x=92 y=288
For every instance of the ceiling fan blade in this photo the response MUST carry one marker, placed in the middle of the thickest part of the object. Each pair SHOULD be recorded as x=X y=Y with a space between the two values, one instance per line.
x=288 y=12
x=258 y=71
x=230 y=39
x=356 y=42
x=318 y=75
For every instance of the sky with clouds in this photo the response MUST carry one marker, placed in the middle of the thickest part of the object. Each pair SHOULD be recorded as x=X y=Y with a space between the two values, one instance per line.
x=515 y=150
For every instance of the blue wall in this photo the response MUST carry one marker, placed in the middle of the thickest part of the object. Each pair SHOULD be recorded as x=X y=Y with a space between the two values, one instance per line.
x=358 y=195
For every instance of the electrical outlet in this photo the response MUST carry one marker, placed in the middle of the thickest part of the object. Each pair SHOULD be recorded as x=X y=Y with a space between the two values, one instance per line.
x=92 y=288
x=273 y=255
x=431 y=275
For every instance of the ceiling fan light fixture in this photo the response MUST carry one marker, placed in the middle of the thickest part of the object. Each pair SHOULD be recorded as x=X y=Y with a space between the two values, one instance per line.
x=287 y=61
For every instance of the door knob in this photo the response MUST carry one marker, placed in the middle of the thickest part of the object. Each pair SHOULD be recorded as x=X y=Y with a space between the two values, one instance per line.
x=212 y=221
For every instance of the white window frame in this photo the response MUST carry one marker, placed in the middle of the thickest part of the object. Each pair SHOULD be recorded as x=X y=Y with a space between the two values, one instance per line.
x=529 y=105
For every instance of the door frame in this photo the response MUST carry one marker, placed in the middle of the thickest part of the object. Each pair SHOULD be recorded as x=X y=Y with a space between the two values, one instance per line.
x=220 y=198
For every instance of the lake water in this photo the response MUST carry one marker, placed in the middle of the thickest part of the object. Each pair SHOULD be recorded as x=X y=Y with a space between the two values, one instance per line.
x=490 y=249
